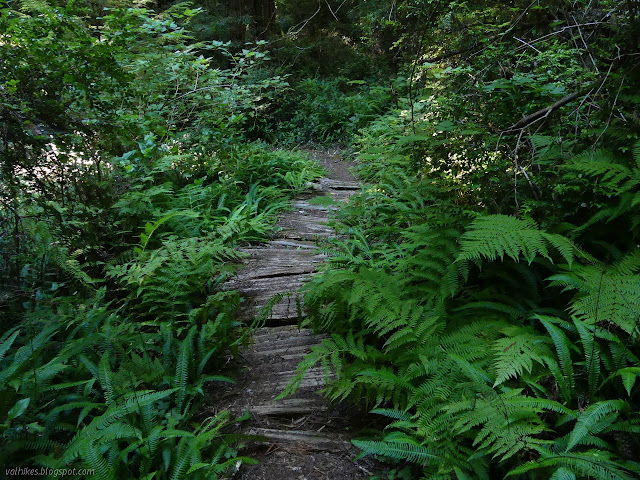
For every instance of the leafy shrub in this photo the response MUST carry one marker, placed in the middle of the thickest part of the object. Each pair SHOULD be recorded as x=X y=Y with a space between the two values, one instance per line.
x=116 y=232
x=325 y=111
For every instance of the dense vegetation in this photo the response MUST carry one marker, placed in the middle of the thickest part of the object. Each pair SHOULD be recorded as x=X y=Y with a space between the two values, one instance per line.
x=484 y=301
x=127 y=181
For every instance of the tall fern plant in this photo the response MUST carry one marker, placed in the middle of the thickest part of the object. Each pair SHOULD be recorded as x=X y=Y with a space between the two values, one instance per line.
x=93 y=390
x=495 y=348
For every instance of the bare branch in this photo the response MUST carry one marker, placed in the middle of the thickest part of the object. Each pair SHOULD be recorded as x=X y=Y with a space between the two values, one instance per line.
x=558 y=32
x=446 y=55
x=528 y=44
x=545 y=112
x=340 y=6
x=304 y=23
x=328 y=5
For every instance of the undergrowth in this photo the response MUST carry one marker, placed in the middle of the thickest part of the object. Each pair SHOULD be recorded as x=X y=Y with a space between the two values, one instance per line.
x=493 y=346
x=484 y=299
x=115 y=235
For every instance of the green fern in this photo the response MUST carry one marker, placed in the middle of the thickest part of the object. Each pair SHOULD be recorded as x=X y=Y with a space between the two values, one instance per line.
x=608 y=167
x=617 y=178
x=182 y=368
x=594 y=419
x=563 y=348
x=494 y=236
x=8 y=341
x=396 y=449
x=517 y=352
x=604 y=295
x=592 y=463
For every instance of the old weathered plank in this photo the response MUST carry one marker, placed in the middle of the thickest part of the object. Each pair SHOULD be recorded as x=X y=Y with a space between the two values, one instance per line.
x=303 y=228
x=277 y=262
x=312 y=381
x=342 y=195
x=283 y=349
x=331 y=184
x=290 y=406
x=286 y=333
x=283 y=312
x=274 y=254
x=264 y=395
x=267 y=286
x=294 y=245
x=309 y=439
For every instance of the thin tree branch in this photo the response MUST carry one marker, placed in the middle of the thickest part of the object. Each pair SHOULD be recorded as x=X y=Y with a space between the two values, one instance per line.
x=545 y=112
x=558 y=32
x=304 y=23
x=446 y=55
x=528 y=44
x=328 y=5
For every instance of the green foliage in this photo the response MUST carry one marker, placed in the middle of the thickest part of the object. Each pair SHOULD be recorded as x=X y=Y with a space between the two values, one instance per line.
x=325 y=111
x=94 y=390
x=396 y=449
x=127 y=182
x=504 y=362
x=499 y=235
x=483 y=364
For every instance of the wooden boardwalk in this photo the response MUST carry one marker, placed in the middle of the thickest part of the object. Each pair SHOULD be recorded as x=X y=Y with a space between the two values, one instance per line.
x=304 y=436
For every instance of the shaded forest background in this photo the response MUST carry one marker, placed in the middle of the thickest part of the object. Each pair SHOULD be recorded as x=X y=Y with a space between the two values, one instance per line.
x=484 y=300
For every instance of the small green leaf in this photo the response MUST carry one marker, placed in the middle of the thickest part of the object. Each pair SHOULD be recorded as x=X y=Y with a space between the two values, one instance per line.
x=35 y=428
x=628 y=380
x=18 y=409
x=323 y=201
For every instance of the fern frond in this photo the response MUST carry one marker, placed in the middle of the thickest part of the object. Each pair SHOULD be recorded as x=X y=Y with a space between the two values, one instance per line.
x=593 y=420
x=493 y=236
x=592 y=355
x=563 y=348
x=105 y=379
x=392 y=413
x=517 y=353
x=182 y=368
x=607 y=296
x=600 y=162
x=563 y=474
x=591 y=464
x=6 y=344
x=472 y=372
x=95 y=460
x=397 y=450
x=115 y=412
x=27 y=352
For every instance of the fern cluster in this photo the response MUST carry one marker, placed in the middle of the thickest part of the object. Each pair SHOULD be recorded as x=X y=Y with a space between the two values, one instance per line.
x=495 y=347
x=115 y=380
x=94 y=390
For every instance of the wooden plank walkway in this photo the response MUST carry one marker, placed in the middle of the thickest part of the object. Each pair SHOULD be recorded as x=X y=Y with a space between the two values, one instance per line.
x=304 y=437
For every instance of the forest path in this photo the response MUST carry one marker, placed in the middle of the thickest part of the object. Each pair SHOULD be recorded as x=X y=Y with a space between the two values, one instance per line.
x=307 y=438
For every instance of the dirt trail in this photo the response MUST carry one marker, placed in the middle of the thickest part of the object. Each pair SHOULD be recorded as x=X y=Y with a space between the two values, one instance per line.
x=307 y=438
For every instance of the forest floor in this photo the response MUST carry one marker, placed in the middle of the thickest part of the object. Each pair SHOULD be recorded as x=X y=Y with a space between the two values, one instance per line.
x=304 y=436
